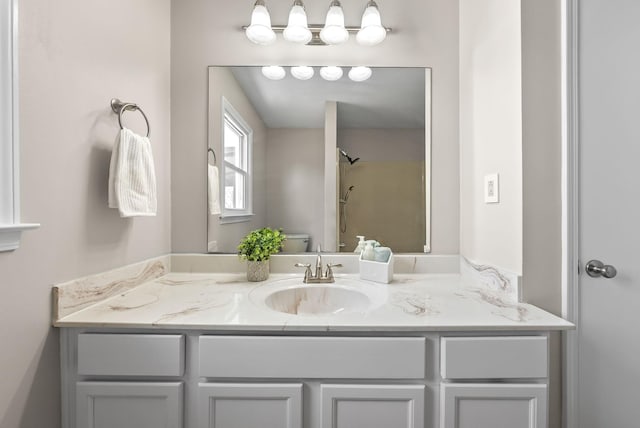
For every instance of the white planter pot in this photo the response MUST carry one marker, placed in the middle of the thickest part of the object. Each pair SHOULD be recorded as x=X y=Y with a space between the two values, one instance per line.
x=257 y=271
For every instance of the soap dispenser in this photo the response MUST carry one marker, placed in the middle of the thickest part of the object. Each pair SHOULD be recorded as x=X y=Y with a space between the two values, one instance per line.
x=360 y=246
x=368 y=253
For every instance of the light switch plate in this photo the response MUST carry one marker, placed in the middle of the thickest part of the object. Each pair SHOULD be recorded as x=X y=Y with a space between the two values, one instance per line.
x=492 y=189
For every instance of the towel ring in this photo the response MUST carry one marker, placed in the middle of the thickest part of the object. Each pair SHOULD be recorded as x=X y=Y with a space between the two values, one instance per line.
x=119 y=108
x=215 y=161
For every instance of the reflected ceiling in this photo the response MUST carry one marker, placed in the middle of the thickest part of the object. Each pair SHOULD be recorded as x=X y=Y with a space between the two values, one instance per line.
x=391 y=98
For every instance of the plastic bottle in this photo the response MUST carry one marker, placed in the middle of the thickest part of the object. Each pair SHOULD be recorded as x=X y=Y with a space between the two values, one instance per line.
x=382 y=254
x=360 y=246
x=368 y=253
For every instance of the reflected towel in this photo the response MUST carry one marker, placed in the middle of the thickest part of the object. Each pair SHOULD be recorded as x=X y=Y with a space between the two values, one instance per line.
x=132 y=178
x=214 y=190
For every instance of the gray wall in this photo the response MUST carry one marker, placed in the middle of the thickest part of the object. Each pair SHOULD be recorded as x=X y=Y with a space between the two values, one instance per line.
x=542 y=169
x=535 y=243
x=74 y=56
x=295 y=181
x=379 y=145
x=206 y=32
x=491 y=131
x=222 y=83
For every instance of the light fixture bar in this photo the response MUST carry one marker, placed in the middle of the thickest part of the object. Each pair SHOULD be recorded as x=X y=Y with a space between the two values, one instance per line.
x=315 y=32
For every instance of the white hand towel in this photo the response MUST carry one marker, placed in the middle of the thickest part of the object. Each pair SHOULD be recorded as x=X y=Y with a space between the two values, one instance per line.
x=214 y=190
x=132 y=178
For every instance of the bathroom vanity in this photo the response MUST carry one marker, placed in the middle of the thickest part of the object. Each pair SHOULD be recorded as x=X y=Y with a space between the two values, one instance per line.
x=157 y=348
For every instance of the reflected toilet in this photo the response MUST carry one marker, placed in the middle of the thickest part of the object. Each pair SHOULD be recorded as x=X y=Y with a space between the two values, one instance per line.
x=296 y=243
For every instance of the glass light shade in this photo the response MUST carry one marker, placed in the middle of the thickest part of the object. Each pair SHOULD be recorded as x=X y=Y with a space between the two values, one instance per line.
x=360 y=74
x=260 y=32
x=331 y=73
x=334 y=32
x=371 y=30
x=297 y=30
x=273 y=72
x=302 y=72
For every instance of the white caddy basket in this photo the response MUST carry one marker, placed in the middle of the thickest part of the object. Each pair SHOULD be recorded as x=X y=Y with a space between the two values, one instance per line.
x=377 y=271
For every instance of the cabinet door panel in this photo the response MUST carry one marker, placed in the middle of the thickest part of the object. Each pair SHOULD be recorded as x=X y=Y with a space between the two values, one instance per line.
x=372 y=406
x=493 y=406
x=230 y=405
x=128 y=405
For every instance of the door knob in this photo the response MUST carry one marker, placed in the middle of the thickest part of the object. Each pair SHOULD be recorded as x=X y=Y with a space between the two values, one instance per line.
x=596 y=269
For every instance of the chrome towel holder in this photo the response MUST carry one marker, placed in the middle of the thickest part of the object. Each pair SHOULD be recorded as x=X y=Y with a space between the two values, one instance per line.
x=120 y=107
x=215 y=161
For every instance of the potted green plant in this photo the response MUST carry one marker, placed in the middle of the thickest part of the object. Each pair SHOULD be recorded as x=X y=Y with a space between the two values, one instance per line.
x=256 y=248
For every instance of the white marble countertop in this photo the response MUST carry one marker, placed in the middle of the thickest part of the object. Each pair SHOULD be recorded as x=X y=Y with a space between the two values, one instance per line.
x=216 y=301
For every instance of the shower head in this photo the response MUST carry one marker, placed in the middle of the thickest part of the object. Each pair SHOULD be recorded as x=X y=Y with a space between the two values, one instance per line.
x=346 y=155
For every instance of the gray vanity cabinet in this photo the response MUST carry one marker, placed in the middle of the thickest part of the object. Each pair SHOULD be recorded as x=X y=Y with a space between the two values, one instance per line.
x=124 y=380
x=195 y=379
x=518 y=363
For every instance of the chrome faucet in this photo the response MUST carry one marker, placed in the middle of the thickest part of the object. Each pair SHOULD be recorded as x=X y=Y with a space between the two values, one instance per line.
x=318 y=277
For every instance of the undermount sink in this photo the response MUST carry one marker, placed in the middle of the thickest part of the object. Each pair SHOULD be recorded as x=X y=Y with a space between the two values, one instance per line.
x=313 y=299
x=345 y=296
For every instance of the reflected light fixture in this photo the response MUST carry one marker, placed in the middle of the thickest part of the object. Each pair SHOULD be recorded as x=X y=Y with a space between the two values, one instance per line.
x=260 y=31
x=297 y=29
x=371 y=31
x=360 y=74
x=334 y=32
x=331 y=73
x=273 y=72
x=302 y=72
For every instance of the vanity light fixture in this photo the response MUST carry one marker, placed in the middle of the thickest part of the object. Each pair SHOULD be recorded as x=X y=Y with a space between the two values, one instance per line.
x=360 y=74
x=331 y=73
x=297 y=30
x=260 y=31
x=273 y=72
x=333 y=32
x=302 y=72
x=371 y=31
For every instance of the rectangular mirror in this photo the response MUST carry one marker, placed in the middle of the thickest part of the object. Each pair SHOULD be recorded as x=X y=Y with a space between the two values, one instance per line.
x=325 y=161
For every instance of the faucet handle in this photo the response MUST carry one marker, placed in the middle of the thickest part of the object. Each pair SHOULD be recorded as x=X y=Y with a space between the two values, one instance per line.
x=307 y=272
x=330 y=267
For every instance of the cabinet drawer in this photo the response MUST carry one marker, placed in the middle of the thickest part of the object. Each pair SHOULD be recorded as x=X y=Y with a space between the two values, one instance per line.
x=312 y=357
x=519 y=357
x=130 y=355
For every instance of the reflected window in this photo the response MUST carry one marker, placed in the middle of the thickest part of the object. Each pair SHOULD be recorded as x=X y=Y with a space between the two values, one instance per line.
x=236 y=145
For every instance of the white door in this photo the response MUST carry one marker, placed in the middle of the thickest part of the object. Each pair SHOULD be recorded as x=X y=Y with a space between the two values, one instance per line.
x=609 y=310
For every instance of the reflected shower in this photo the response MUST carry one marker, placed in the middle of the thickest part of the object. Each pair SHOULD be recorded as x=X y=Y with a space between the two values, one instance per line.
x=346 y=195
x=346 y=155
